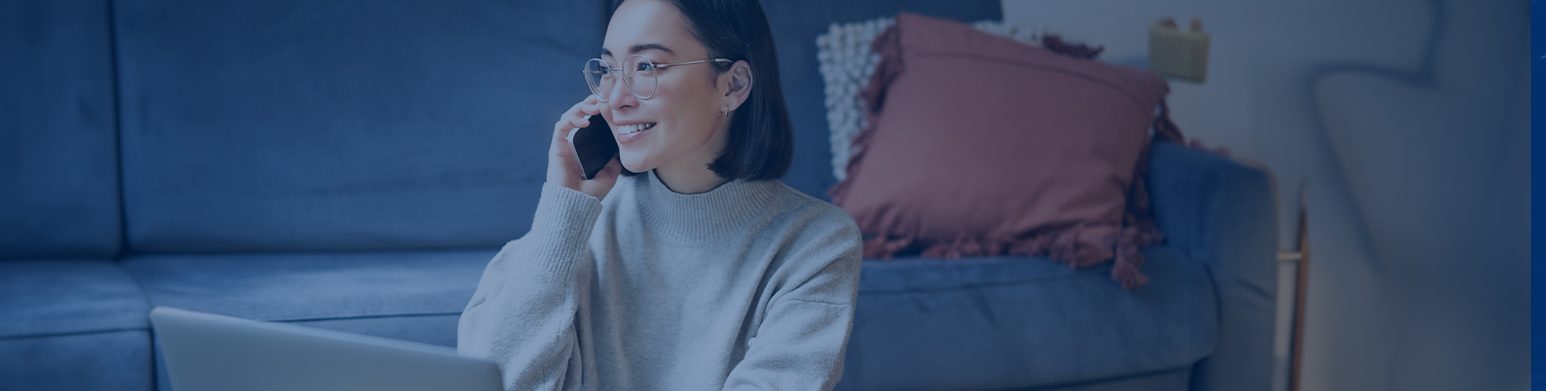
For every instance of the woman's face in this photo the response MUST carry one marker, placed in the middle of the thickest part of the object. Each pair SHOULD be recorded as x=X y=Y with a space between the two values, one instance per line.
x=681 y=124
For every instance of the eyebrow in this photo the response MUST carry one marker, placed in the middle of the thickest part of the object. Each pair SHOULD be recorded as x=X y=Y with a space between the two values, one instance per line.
x=641 y=47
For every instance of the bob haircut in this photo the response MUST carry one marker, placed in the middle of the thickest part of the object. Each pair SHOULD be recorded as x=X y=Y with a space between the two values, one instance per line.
x=760 y=143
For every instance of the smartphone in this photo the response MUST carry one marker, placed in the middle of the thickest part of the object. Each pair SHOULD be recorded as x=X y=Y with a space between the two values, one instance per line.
x=594 y=146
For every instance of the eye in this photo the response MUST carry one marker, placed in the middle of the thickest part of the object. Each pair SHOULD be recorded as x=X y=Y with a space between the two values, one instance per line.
x=644 y=66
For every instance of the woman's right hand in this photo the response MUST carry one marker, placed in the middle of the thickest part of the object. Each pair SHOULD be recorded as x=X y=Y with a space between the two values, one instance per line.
x=564 y=166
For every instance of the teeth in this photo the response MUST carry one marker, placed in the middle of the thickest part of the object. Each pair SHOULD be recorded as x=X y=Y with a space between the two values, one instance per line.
x=635 y=128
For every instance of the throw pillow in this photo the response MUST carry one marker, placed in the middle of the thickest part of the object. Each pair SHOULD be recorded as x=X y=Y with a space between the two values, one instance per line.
x=980 y=145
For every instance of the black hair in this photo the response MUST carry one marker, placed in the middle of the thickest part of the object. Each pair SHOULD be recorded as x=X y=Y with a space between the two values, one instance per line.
x=760 y=143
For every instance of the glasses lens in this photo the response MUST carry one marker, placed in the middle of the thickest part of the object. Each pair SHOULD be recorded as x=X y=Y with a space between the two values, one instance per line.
x=598 y=77
x=641 y=78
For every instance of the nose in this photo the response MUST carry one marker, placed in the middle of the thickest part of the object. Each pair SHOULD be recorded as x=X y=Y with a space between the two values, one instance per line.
x=621 y=96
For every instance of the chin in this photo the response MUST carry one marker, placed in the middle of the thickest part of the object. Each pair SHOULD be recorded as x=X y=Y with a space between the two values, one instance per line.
x=633 y=163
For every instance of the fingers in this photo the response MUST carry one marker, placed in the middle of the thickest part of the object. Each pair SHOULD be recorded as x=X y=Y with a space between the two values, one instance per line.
x=585 y=109
x=576 y=116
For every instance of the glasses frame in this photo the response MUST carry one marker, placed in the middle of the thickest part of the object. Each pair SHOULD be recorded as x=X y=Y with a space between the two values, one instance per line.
x=627 y=75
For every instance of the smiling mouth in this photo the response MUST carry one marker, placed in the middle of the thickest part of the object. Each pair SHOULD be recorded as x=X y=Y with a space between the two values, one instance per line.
x=635 y=128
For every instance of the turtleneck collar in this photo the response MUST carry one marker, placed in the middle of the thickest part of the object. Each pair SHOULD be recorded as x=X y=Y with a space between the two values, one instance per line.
x=727 y=210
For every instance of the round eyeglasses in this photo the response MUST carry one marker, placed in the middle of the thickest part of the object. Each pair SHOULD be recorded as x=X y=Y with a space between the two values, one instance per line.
x=639 y=75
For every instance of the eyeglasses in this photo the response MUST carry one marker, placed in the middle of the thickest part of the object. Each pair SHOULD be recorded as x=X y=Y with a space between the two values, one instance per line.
x=639 y=74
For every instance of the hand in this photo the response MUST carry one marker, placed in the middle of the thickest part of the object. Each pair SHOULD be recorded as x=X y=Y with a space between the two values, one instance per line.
x=564 y=166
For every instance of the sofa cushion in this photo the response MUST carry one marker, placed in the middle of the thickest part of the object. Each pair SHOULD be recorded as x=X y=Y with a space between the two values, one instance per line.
x=1011 y=322
x=1173 y=380
x=112 y=360
x=300 y=125
x=72 y=325
x=388 y=294
x=413 y=295
x=58 y=145
x=58 y=297
x=795 y=24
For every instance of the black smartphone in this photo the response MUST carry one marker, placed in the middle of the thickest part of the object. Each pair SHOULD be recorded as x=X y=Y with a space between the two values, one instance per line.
x=594 y=146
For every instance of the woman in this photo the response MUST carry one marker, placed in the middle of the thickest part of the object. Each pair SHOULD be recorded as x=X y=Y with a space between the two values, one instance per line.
x=703 y=271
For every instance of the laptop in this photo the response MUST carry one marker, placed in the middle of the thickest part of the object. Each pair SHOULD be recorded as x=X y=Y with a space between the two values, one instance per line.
x=205 y=351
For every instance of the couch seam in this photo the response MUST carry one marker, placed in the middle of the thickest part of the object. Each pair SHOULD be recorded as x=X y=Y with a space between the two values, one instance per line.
x=113 y=55
x=70 y=334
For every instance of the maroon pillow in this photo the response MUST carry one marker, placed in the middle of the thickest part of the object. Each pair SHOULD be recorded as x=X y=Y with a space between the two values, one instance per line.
x=980 y=145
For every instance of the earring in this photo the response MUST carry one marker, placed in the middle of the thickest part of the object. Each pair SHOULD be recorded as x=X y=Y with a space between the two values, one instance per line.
x=724 y=111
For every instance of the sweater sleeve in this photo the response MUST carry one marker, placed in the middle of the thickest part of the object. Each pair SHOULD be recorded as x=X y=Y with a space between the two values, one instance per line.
x=522 y=315
x=804 y=334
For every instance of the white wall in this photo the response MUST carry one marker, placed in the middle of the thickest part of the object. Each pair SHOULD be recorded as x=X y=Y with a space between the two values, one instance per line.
x=1408 y=120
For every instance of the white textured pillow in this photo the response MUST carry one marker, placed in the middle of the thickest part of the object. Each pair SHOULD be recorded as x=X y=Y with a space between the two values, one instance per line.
x=846 y=64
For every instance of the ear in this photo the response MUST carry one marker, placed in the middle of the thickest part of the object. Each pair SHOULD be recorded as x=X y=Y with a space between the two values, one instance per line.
x=736 y=85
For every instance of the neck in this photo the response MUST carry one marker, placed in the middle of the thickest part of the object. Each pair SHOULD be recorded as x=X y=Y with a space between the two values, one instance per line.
x=696 y=178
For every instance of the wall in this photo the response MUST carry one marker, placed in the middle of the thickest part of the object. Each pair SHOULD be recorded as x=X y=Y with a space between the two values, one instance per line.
x=1407 y=121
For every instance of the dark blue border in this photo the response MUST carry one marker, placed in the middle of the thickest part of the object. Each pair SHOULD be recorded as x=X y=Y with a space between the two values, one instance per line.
x=1537 y=270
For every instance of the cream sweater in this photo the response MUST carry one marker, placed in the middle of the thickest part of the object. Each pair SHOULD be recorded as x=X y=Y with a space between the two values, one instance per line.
x=747 y=286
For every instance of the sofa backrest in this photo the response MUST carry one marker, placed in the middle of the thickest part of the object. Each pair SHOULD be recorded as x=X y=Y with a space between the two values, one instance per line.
x=58 y=147
x=295 y=125
x=344 y=124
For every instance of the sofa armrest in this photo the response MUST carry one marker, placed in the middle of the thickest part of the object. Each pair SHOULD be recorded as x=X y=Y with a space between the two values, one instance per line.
x=1222 y=213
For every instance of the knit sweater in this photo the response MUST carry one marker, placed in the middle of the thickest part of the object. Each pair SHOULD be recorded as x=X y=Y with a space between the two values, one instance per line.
x=750 y=285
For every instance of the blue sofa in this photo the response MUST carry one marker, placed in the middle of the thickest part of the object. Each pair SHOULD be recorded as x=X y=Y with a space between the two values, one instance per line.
x=352 y=165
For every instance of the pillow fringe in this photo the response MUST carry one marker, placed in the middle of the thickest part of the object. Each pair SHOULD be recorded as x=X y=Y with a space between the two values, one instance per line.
x=1077 y=246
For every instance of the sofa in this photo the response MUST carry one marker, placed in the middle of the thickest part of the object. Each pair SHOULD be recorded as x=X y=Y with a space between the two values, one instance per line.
x=353 y=165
